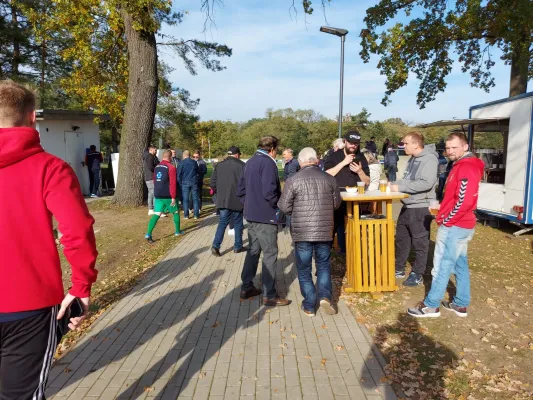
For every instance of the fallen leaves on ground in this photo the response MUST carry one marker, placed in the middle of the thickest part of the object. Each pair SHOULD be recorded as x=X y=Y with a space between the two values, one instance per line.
x=484 y=356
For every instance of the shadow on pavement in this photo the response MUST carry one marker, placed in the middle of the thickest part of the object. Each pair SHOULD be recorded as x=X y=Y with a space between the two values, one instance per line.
x=409 y=362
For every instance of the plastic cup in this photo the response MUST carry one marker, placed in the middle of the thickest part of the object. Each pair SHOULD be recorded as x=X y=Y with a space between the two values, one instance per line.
x=383 y=185
x=434 y=207
x=361 y=187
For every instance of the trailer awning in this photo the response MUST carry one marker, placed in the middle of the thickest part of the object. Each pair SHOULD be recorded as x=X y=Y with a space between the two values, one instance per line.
x=466 y=121
x=482 y=124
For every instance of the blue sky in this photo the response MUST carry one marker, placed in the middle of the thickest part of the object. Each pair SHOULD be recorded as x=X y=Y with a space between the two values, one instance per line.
x=280 y=60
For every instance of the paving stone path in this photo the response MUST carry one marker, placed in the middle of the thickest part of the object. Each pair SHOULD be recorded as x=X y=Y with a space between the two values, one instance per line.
x=183 y=332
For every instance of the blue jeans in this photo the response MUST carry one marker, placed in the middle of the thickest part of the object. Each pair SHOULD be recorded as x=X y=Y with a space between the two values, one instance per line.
x=339 y=227
x=94 y=180
x=450 y=255
x=150 y=187
x=186 y=188
x=228 y=216
x=304 y=264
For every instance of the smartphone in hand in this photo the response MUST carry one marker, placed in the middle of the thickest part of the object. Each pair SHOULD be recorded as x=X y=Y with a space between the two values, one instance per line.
x=74 y=310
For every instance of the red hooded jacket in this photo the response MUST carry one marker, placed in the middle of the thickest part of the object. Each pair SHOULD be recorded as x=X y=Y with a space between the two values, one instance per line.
x=461 y=192
x=35 y=186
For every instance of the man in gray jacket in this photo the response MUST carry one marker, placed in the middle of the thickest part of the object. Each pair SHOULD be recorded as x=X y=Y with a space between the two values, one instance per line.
x=413 y=225
x=310 y=197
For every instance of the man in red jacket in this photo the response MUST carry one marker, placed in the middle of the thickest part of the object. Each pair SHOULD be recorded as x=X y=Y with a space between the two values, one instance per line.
x=35 y=187
x=456 y=222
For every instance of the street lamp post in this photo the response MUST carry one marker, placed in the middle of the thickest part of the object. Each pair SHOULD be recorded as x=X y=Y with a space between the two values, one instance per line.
x=342 y=34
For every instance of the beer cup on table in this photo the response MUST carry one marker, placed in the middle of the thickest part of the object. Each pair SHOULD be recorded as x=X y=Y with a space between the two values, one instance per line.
x=383 y=185
x=434 y=207
x=361 y=187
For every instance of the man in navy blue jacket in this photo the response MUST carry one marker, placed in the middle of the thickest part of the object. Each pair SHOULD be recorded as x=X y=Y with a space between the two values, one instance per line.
x=259 y=190
x=188 y=177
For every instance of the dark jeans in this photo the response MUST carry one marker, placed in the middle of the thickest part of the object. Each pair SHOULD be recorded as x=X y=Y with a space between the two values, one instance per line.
x=440 y=189
x=391 y=176
x=94 y=180
x=339 y=228
x=226 y=217
x=200 y=189
x=261 y=237
x=412 y=230
x=304 y=264
x=192 y=189
x=178 y=189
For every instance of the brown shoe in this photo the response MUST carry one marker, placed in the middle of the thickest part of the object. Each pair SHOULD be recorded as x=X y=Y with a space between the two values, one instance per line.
x=329 y=307
x=246 y=294
x=275 y=302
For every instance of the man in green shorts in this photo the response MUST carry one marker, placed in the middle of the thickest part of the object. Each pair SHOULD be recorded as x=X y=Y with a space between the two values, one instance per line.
x=165 y=195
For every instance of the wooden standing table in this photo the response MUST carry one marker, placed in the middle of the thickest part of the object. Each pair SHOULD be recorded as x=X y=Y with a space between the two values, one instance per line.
x=370 y=244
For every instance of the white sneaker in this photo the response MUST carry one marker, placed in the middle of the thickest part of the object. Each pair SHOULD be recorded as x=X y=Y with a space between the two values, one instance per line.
x=163 y=215
x=150 y=212
x=231 y=232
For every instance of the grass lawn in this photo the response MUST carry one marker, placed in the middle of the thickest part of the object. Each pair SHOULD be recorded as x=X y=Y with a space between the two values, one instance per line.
x=489 y=354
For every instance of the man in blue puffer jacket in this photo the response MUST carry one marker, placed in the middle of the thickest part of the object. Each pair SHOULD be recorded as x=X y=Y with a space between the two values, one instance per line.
x=259 y=190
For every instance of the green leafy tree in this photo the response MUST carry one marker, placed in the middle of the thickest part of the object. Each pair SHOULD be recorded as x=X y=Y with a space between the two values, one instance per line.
x=436 y=29
x=362 y=119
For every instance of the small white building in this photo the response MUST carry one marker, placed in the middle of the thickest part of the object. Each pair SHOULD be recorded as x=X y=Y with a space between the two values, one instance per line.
x=68 y=135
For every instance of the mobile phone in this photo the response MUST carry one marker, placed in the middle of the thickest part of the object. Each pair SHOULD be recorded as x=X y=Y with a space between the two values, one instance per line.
x=73 y=311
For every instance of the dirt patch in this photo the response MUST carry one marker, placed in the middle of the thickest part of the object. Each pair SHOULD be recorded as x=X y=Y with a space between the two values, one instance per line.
x=487 y=355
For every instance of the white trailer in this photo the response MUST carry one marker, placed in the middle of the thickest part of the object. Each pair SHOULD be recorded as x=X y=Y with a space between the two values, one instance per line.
x=506 y=190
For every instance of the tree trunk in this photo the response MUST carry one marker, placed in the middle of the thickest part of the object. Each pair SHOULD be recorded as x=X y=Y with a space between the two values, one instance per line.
x=519 y=69
x=43 y=74
x=15 y=61
x=139 y=113
x=114 y=138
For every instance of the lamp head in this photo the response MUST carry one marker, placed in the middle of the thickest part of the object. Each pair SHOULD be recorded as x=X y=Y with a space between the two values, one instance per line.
x=334 y=31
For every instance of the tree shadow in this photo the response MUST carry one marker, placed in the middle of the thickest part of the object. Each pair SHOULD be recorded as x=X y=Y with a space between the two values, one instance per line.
x=164 y=336
x=416 y=364
x=125 y=336
x=170 y=273
x=197 y=346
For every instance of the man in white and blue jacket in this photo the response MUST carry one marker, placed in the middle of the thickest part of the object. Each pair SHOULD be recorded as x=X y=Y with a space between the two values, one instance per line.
x=259 y=190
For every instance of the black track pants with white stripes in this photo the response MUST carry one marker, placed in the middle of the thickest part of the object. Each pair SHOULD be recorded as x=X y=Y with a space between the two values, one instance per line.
x=27 y=347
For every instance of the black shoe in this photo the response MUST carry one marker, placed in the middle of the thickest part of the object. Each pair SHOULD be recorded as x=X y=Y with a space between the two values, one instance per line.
x=215 y=252
x=149 y=239
x=414 y=279
x=241 y=250
x=246 y=294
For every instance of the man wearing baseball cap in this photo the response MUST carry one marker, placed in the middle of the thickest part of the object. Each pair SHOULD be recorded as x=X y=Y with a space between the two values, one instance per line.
x=224 y=182
x=348 y=166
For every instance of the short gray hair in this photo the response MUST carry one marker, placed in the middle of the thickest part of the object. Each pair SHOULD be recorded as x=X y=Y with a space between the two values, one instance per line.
x=288 y=151
x=339 y=143
x=307 y=155
x=370 y=157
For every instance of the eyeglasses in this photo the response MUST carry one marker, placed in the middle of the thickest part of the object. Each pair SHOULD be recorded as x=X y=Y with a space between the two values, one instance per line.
x=195 y=156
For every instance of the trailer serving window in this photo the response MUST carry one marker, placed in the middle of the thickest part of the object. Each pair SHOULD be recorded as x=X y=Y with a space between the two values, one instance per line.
x=489 y=142
x=488 y=139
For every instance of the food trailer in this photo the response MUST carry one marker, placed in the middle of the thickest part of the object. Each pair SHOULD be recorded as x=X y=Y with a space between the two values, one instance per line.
x=506 y=190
